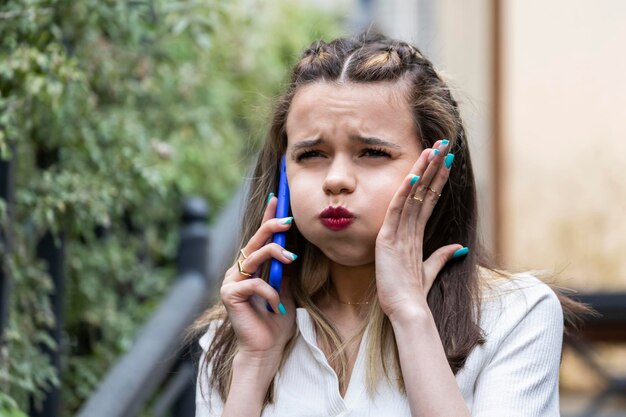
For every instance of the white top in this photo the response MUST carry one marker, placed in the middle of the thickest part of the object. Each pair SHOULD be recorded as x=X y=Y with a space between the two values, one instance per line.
x=514 y=374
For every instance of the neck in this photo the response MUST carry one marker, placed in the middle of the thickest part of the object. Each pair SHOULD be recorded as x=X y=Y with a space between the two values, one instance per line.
x=349 y=284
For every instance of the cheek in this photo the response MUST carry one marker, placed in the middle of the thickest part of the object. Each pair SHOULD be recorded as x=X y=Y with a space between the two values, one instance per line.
x=301 y=200
x=380 y=204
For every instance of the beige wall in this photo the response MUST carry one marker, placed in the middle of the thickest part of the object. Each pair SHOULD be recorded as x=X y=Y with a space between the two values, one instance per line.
x=564 y=139
x=465 y=51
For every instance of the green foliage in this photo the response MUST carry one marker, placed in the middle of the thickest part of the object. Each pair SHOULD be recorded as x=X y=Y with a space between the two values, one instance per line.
x=111 y=112
x=9 y=408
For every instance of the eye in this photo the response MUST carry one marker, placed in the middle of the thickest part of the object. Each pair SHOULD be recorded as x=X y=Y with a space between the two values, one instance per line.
x=305 y=155
x=377 y=151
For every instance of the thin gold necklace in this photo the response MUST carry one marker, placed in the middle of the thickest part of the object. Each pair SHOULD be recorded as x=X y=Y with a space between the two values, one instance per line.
x=349 y=303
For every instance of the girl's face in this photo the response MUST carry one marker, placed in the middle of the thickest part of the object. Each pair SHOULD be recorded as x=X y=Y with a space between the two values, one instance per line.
x=349 y=145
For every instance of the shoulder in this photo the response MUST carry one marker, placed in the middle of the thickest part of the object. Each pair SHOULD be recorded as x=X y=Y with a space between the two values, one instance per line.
x=516 y=300
x=523 y=287
x=523 y=323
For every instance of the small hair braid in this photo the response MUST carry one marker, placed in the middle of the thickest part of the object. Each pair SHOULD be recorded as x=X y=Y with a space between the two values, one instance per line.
x=460 y=140
x=319 y=50
x=409 y=53
x=319 y=60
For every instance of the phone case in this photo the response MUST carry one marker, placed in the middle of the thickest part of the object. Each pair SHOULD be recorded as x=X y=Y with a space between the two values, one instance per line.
x=282 y=210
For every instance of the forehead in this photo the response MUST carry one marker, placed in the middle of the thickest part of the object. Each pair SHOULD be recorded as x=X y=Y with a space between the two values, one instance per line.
x=335 y=110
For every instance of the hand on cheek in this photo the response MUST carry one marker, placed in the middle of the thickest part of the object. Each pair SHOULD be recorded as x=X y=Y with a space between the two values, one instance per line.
x=403 y=278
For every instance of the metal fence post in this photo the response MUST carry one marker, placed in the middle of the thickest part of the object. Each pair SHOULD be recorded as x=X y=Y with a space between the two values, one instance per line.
x=54 y=256
x=194 y=237
x=6 y=194
x=52 y=252
x=192 y=257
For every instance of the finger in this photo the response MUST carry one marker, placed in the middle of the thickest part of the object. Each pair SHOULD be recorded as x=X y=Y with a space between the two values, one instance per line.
x=438 y=259
x=440 y=143
x=414 y=203
x=259 y=257
x=411 y=216
x=435 y=160
x=285 y=296
x=270 y=208
x=266 y=231
x=394 y=211
x=240 y=292
x=435 y=189
x=269 y=213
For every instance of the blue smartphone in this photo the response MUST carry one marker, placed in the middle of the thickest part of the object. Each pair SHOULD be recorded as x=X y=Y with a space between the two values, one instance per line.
x=282 y=210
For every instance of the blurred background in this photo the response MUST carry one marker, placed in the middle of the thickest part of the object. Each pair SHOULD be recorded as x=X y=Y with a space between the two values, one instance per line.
x=113 y=113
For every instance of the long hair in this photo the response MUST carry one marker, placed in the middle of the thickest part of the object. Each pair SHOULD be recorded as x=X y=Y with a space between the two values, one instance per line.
x=454 y=298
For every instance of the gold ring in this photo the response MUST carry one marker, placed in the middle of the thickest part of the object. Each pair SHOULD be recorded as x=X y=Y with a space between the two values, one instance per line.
x=436 y=192
x=243 y=254
x=240 y=265
x=418 y=199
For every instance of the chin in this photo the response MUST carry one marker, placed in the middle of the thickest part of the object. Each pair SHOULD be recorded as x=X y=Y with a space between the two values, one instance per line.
x=349 y=250
x=348 y=256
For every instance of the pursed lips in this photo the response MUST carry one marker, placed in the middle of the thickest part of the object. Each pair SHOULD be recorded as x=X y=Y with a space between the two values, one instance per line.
x=336 y=218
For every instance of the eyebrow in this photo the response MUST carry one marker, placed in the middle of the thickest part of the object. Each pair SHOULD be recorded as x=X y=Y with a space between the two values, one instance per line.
x=372 y=141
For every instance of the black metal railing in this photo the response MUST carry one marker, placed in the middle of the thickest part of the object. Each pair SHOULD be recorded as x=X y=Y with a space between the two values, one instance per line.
x=156 y=362
x=155 y=357
x=6 y=194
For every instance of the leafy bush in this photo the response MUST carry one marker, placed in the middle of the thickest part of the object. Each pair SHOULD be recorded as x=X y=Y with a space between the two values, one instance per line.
x=111 y=111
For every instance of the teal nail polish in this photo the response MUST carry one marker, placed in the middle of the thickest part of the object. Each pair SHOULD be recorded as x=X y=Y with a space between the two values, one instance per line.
x=269 y=197
x=449 y=160
x=436 y=152
x=281 y=308
x=290 y=255
x=461 y=252
x=287 y=220
x=415 y=179
x=444 y=142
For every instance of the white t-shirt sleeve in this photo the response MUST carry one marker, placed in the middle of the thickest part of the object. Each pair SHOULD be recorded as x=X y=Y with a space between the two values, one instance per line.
x=522 y=377
x=209 y=405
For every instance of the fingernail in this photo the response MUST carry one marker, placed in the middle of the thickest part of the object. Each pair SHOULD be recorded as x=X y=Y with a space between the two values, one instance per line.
x=281 y=308
x=269 y=197
x=286 y=220
x=461 y=252
x=415 y=179
x=290 y=255
x=449 y=159
x=443 y=143
x=433 y=154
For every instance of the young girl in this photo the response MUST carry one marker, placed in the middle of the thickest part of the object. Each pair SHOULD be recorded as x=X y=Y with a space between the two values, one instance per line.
x=389 y=306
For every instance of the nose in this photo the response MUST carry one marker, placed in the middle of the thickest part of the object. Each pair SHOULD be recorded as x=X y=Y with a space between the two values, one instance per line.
x=340 y=177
